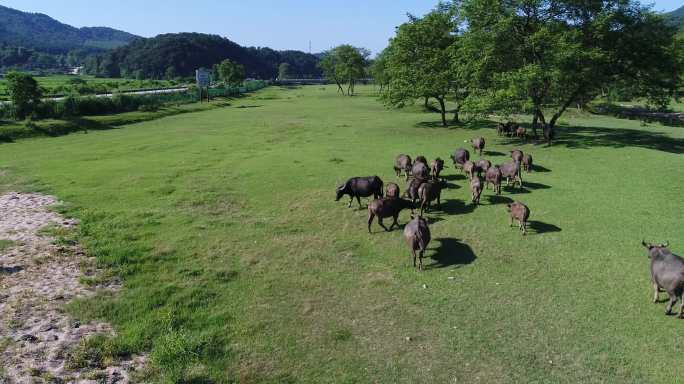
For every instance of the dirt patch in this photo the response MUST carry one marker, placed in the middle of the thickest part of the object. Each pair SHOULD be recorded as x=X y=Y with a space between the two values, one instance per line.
x=38 y=276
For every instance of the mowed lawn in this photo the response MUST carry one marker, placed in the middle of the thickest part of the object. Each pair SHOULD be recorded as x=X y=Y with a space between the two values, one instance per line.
x=239 y=266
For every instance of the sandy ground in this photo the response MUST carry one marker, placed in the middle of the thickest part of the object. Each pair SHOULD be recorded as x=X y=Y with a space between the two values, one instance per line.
x=38 y=341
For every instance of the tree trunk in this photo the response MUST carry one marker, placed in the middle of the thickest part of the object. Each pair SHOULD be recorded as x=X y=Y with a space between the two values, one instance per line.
x=339 y=86
x=456 y=117
x=426 y=102
x=442 y=110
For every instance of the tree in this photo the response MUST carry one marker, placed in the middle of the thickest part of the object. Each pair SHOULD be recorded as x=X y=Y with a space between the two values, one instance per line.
x=231 y=73
x=24 y=93
x=548 y=54
x=345 y=64
x=423 y=62
x=284 y=71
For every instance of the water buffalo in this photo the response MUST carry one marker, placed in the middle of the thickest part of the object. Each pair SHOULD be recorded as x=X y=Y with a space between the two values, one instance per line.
x=437 y=167
x=476 y=189
x=421 y=159
x=667 y=272
x=417 y=234
x=527 y=162
x=427 y=192
x=469 y=168
x=501 y=129
x=413 y=187
x=403 y=164
x=493 y=175
x=511 y=170
x=516 y=155
x=520 y=212
x=460 y=157
x=482 y=165
x=384 y=208
x=512 y=128
x=392 y=191
x=521 y=133
x=478 y=144
x=360 y=187
x=420 y=170
x=549 y=133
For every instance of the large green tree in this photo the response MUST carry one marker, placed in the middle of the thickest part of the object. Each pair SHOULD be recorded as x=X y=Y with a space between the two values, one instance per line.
x=24 y=93
x=545 y=55
x=231 y=73
x=423 y=62
x=345 y=64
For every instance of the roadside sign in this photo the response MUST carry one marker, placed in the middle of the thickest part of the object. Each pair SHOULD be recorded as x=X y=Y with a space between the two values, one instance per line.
x=203 y=77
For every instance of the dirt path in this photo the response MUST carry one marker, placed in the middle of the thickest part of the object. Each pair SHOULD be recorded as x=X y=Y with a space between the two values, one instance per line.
x=38 y=341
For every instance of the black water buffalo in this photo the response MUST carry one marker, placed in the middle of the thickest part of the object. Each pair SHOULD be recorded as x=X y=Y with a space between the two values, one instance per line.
x=460 y=157
x=384 y=208
x=427 y=192
x=493 y=176
x=403 y=164
x=520 y=212
x=360 y=187
x=478 y=144
x=421 y=159
x=511 y=170
x=413 y=187
x=667 y=272
x=417 y=234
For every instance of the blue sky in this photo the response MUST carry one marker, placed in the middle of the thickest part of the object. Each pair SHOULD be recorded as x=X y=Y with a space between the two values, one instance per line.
x=284 y=24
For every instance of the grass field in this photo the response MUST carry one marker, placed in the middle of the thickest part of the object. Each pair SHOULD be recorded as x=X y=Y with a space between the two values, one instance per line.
x=239 y=266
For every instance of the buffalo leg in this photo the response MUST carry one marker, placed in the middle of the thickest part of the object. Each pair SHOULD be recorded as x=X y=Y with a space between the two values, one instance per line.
x=522 y=227
x=673 y=300
x=395 y=221
x=511 y=224
x=350 y=201
x=655 y=293
x=422 y=207
x=370 y=221
x=381 y=224
x=358 y=200
x=420 y=265
x=413 y=252
x=681 y=308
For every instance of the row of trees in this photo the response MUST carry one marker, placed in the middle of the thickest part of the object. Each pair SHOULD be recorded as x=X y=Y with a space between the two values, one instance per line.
x=536 y=56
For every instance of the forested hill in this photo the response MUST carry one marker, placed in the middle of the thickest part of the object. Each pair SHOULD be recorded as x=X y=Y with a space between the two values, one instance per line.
x=43 y=33
x=677 y=17
x=179 y=54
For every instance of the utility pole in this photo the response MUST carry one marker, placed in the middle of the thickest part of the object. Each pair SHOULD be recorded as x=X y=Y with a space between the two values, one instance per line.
x=309 y=47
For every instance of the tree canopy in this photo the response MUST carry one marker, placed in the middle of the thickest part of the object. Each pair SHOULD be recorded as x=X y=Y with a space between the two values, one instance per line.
x=24 y=93
x=345 y=64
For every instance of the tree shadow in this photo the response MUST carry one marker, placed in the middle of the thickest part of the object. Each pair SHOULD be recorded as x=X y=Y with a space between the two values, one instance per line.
x=499 y=199
x=456 y=207
x=541 y=227
x=586 y=137
x=451 y=251
x=249 y=106
x=437 y=124
x=11 y=270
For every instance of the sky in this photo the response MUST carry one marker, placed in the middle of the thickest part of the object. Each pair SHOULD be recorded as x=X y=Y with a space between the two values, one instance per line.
x=284 y=24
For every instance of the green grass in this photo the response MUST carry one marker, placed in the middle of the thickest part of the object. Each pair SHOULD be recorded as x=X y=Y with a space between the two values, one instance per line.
x=240 y=267
x=4 y=244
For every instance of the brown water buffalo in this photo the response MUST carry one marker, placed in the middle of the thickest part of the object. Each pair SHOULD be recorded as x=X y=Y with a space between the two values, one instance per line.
x=493 y=176
x=403 y=164
x=478 y=144
x=384 y=208
x=476 y=189
x=417 y=234
x=460 y=157
x=436 y=168
x=667 y=273
x=520 y=212
x=427 y=192
x=413 y=187
x=469 y=168
x=517 y=155
x=360 y=187
x=521 y=133
x=420 y=170
x=482 y=165
x=421 y=159
x=511 y=170
x=392 y=191
x=527 y=162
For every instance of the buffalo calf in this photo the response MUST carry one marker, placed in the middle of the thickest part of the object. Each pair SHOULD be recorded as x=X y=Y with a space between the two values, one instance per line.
x=417 y=234
x=384 y=208
x=667 y=273
x=392 y=191
x=403 y=164
x=527 y=162
x=520 y=212
x=476 y=189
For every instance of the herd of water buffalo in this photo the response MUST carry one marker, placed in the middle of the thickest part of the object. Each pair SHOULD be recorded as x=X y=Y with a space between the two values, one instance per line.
x=425 y=184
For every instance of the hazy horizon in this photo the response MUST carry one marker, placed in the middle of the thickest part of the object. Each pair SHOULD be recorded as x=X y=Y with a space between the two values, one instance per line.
x=276 y=24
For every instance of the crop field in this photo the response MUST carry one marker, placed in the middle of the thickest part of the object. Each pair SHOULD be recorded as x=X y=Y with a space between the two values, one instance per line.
x=239 y=266
x=57 y=84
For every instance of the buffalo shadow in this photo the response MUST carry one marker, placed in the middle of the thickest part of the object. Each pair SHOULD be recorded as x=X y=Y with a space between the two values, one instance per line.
x=453 y=176
x=456 y=207
x=498 y=199
x=539 y=168
x=493 y=153
x=451 y=251
x=540 y=227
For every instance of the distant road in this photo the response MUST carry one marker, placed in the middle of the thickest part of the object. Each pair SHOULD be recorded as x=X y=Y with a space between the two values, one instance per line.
x=132 y=92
